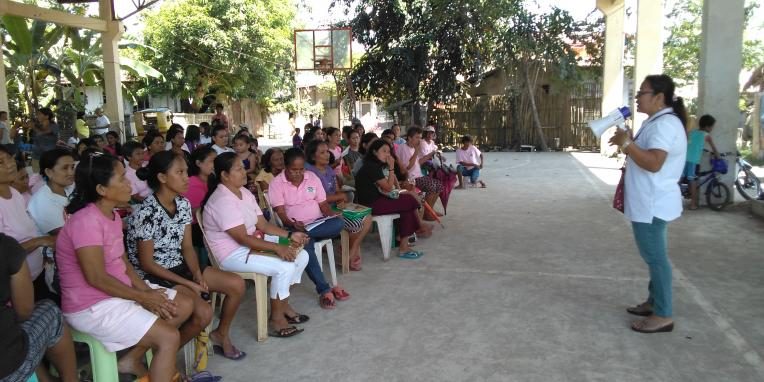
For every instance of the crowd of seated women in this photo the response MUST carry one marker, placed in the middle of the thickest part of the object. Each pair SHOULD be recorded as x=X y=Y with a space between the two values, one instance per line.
x=105 y=240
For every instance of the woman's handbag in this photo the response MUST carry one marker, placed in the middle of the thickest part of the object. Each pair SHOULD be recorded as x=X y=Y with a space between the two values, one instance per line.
x=618 y=198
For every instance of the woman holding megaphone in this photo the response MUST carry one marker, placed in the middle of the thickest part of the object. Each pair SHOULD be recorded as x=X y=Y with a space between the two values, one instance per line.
x=651 y=195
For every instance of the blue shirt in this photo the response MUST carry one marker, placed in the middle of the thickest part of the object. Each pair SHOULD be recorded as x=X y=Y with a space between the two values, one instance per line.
x=328 y=178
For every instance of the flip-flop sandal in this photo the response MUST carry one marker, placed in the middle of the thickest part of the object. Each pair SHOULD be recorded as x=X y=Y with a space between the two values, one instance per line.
x=204 y=376
x=298 y=319
x=411 y=255
x=286 y=332
x=340 y=294
x=237 y=355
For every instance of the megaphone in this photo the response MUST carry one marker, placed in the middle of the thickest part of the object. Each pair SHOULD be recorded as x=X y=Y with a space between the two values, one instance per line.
x=616 y=117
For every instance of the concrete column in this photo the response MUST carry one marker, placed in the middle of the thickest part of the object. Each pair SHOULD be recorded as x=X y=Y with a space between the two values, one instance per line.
x=649 y=55
x=612 y=68
x=113 y=108
x=720 y=64
x=3 y=87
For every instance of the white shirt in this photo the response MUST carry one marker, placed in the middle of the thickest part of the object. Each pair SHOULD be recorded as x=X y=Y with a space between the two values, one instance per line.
x=656 y=194
x=471 y=155
x=102 y=122
x=219 y=150
x=427 y=148
x=47 y=208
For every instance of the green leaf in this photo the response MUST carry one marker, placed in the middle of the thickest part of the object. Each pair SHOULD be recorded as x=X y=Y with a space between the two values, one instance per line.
x=20 y=33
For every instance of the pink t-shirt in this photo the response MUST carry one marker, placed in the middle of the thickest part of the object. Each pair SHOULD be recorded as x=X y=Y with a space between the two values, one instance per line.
x=223 y=211
x=471 y=155
x=197 y=189
x=138 y=186
x=16 y=223
x=427 y=148
x=337 y=151
x=301 y=202
x=35 y=183
x=404 y=153
x=88 y=227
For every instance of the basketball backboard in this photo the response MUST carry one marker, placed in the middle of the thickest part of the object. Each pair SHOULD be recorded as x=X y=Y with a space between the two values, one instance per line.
x=323 y=50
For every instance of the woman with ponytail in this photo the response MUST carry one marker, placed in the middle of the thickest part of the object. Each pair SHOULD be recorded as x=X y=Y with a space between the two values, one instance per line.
x=160 y=248
x=235 y=226
x=655 y=161
x=101 y=294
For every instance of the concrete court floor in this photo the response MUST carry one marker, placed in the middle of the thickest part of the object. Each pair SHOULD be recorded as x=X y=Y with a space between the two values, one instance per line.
x=528 y=282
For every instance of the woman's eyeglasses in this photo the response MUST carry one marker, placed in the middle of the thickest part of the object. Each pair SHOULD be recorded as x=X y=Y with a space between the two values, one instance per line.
x=641 y=93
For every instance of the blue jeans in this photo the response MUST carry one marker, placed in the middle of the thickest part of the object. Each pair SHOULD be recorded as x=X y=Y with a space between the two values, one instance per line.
x=652 y=242
x=329 y=229
x=473 y=173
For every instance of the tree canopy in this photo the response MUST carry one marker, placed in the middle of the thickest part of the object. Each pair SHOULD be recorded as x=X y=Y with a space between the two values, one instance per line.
x=681 y=50
x=422 y=50
x=227 y=48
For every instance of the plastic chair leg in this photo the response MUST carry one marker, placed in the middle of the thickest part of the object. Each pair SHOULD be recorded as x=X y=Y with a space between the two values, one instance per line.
x=318 y=248
x=261 y=297
x=345 y=245
x=103 y=362
x=385 y=236
x=332 y=266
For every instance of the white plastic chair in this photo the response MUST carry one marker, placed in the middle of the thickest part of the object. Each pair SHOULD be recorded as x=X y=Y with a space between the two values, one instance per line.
x=385 y=228
x=261 y=288
x=319 y=248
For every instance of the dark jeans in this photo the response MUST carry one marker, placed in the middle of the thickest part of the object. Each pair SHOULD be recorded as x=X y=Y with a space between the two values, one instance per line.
x=329 y=229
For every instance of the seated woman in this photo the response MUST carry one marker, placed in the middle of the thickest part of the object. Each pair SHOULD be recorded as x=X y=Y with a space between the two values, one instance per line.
x=273 y=165
x=154 y=143
x=350 y=156
x=47 y=205
x=298 y=198
x=233 y=224
x=200 y=168
x=159 y=247
x=366 y=141
x=113 y=146
x=21 y=183
x=410 y=160
x=318 y=163
x=241 y=145
x=101 y=294
x=134 y=154
x=175 y=141
x=375 y=181
x=16 y=223
x=29 y=331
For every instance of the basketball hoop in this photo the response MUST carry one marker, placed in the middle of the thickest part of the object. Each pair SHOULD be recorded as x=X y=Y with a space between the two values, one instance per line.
x=324 y=66
x=323 y=50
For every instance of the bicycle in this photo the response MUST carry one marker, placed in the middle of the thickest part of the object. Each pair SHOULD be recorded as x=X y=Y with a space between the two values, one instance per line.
x=717 y=193
x=746 y=182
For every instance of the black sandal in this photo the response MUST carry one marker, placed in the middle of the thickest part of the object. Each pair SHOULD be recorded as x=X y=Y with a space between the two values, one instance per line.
x=286 y=332
x=298 y=319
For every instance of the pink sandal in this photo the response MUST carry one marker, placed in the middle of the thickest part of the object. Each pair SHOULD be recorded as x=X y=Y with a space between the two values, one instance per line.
x=340 y=293
x=355 y=264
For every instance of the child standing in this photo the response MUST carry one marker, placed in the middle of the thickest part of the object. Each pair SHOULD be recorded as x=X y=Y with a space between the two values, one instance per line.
x=470 y=161
x=696 y=141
